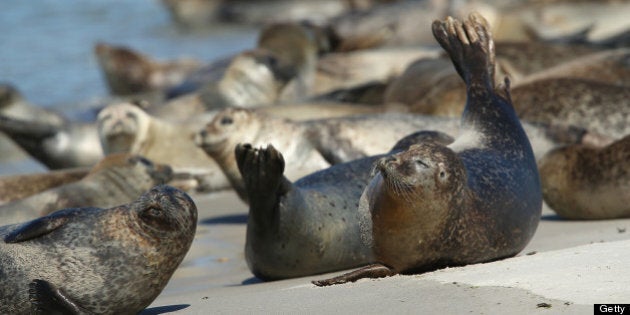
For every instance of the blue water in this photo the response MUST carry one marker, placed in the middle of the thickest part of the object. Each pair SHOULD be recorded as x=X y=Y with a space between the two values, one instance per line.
x=46 y=45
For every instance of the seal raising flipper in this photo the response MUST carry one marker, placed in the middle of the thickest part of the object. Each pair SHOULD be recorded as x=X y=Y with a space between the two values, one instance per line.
x=477 y=199
x=47 y=299
x=41 y=226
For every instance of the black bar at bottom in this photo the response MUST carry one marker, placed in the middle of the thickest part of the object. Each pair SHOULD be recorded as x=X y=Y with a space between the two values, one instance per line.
x=611 y=309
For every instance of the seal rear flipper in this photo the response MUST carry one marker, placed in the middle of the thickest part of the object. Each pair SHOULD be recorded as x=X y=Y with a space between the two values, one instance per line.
x=372 y=271
x=41 y=226
x=33 y=129
x=45 y=298
x=470 y=47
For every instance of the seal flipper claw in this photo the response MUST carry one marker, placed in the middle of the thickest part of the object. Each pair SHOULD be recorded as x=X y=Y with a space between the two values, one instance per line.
x=45 y=298
x=41 y=226
x=371 y=271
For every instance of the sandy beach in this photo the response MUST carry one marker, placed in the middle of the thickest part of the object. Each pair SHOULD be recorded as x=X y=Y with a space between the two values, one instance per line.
x=566 y=268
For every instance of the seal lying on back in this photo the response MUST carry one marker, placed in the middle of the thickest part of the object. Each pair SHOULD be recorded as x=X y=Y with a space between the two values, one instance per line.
x=117 y=179
x=476 y=200
x=126 y=128
x=310 y=226
x=580 y=182
x=93 y=260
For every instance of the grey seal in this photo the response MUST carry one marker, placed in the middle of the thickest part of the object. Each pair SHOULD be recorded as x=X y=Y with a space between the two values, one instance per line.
x=93 y=260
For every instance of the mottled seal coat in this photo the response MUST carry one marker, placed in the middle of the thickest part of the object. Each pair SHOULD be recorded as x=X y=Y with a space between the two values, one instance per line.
x=129 y=72
x=117 y=179
x=93 y=260
x=475 y=200
x=581 y=182
x=310 y=226
x=126 y=128
x=46 y=135
x=15 y=187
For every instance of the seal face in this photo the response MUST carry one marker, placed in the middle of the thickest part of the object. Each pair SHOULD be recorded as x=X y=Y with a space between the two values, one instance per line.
x=139 y=246
x=477 y=199
x=580 y=182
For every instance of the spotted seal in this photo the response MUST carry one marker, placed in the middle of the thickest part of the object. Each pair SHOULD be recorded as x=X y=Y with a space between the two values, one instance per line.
x=475 y=200
x=309 y=226
x=94 y=260
x=124 y=127
x=582 y=182
x=117 y=179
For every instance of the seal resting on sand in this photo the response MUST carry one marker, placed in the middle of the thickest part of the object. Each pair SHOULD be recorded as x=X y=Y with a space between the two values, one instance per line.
x=93 y=260
x=475 y=200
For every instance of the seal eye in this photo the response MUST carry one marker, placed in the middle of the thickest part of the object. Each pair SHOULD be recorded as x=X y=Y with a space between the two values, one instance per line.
x=442 y=174
x=157 y=218
x=421 y=163
x=226 y=120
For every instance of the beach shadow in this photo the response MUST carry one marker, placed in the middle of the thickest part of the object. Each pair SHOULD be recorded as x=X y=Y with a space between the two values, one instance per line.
x=227 y=219
x=552 y=217
x=252 y=280
x=163 y=309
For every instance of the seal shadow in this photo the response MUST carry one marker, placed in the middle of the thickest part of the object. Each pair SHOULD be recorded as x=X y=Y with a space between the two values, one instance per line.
x=164 y=309
x=252 y=280
x=226 y=219
x=552 y=217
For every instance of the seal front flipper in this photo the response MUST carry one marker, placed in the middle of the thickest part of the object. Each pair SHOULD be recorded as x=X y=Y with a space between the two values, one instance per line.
x=45 y=298
x=41 y=226
x=372 y=271
x=262 y=171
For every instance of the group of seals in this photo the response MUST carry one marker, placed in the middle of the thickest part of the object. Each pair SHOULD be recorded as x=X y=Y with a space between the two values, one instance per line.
x=93 y=260
x=117 y=179
x=477 y=199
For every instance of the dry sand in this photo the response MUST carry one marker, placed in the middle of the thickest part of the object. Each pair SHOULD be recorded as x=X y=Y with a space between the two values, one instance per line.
x=568 y=266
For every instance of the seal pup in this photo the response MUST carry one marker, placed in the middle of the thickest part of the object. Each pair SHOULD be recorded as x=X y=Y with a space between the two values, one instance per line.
x=117 y=179
x=309 y=226
x=129 y=72
x=237 y=125
x=475 y=200
x=583 y=182
x=125 y=128
x=93 y=260
x=13 y=187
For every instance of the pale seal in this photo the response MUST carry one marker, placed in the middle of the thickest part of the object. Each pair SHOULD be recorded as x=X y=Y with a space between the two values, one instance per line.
x=475 y=200
x=117 y=179
x=581 y=182
x=93 y=260
x=46 y=135
x=310 y=226
x=124 y=127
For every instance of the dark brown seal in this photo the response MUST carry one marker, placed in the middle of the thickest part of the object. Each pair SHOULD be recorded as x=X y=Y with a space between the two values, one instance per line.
x=309 y=226
x=581 y=182
x=93 y=260
x=476 y=200
x=117 y=179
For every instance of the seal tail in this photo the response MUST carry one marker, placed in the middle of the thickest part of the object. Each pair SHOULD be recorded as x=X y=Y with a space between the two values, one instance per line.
x=470 y=46
x=262 y=171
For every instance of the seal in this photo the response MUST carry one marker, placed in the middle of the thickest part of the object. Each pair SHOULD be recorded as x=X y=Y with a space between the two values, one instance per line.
x=129 y=72
x=117 y=179
x=94 y=260
x=475 y=200
x=310 y=226
x=46 y=135
x=583 y=182
x=237 y=125
x=13 y=187
x=125 y=128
